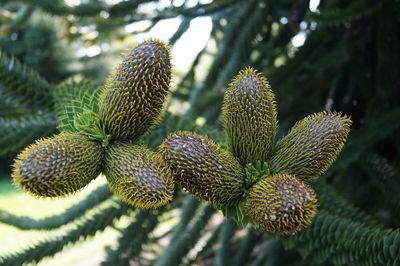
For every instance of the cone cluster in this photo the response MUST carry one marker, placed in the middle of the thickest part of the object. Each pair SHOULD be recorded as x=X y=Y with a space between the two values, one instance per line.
x=264 y=178
x=281 y=201
x=131 y=103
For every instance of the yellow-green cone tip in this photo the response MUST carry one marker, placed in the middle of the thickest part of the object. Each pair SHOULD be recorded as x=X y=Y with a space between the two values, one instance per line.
x=202 y=168
x=311 y=146
x=58 y=165
x=139 y=176
x=281 y=204
x=134 y=95
x=250 y=117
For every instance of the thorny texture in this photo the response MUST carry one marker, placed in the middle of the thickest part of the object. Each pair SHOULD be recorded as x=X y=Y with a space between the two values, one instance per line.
x=250 y=121
x=131 y=103
x=281 y=204
x=203 y=168
x=138 y=175
x=134 y=96
x=311 y=146
x=58 y=165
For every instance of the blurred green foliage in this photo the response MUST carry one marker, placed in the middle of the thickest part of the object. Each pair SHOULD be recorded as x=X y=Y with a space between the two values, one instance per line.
x=38 y=46
x=349 y=62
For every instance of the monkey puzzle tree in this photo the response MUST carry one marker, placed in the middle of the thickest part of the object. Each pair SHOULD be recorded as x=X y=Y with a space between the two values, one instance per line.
x=348 y=63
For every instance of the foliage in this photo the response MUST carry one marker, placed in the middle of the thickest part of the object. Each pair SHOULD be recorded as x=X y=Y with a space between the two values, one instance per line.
x=38 y=45
x=25 y=105
x=348 y=63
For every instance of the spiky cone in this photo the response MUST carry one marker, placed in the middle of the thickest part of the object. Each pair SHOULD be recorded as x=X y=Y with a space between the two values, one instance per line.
x=311 y=145
x=58 y=165
x=202 y=168
x=134 y=95
x=139 y=176
x=250 y=122
x=281 y=204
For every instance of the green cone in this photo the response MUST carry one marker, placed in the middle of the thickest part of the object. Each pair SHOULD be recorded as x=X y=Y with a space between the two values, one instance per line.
x=311 y=146
x=281 y=204
x=138 y=175
x=250 y=121
x=134 y=96
x=58 y=165
x=202 y=168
